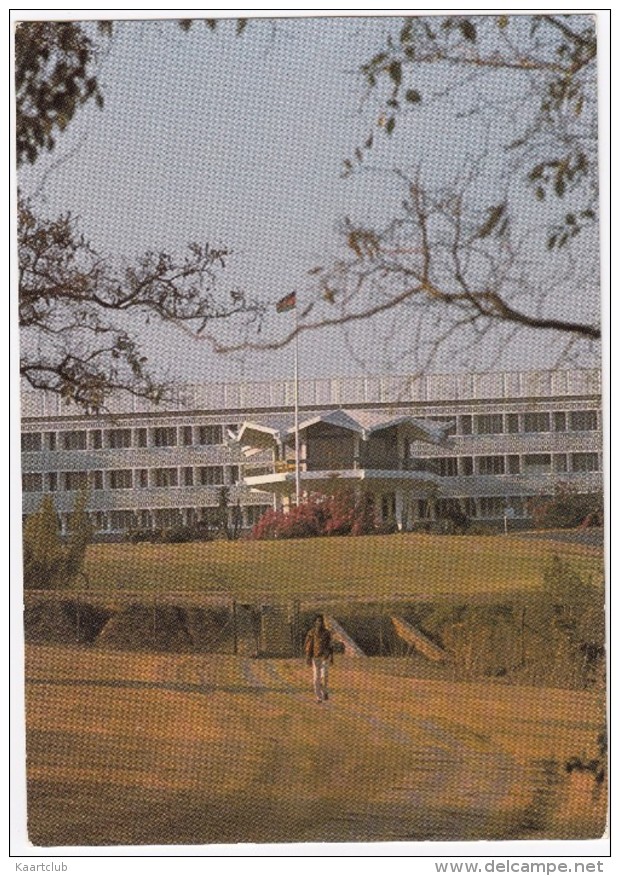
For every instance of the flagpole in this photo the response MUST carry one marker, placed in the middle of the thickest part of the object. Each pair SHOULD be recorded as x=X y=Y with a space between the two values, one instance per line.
x=296 y=396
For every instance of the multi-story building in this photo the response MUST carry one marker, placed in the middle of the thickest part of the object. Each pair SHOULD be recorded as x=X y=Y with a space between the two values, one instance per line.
x=487 y=442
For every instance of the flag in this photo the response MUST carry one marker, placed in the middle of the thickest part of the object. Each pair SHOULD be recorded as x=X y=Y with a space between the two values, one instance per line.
x=287 y=303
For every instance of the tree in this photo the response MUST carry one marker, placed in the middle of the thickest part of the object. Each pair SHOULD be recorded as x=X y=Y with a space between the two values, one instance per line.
x=504 y=242
x=54 y=76
x=457 y=266
x=73 y=300
x=567 y=508
x=81 y=530
x=49 y=561
x=44 y=552
x=547 y=60
x=508 y=242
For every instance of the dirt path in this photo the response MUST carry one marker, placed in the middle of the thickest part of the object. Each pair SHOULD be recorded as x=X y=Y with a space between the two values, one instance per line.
x=130 y=749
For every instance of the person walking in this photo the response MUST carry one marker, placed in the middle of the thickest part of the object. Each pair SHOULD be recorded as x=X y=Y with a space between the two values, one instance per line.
x=319 y=653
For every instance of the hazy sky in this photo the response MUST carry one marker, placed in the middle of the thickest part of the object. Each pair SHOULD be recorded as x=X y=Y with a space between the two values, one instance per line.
x=240 y=141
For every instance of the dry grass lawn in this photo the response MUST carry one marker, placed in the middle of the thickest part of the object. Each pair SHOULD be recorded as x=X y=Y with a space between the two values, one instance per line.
x=128 y=749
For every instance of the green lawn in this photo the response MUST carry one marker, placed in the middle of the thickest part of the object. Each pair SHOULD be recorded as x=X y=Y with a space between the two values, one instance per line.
x=376 y=567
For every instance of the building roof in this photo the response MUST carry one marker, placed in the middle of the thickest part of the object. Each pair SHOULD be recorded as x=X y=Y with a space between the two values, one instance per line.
x=363 y=423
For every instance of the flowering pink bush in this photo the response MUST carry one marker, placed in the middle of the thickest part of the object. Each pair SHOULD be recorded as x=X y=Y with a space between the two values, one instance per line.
x=341 y=513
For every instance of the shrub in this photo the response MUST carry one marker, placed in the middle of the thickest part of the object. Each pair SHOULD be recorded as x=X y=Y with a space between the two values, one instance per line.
x=135 y=536
x=341 y=513
x=567 y=509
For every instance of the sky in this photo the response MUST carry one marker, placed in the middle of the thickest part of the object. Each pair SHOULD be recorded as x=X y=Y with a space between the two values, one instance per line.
x=240 y=141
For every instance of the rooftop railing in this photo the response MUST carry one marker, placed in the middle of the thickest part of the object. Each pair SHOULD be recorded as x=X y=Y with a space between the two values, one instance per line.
x=338 y=392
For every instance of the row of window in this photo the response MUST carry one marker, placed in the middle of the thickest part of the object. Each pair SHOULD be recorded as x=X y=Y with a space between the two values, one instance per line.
x=163 y=518
x=539 y=421
x=166 y=518
x=191 y=436
x=527 y=463
x=119 y=439
x=214 y=475
x=127 y=478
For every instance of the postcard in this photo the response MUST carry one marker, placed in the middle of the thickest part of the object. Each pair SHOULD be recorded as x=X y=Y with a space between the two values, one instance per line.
x=311 y=430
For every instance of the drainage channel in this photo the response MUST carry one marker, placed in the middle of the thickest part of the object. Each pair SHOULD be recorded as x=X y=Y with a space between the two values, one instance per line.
x=257 y=630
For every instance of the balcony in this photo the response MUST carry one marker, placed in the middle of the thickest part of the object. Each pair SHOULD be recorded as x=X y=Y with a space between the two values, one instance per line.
x=133 y=457
x=518 y=485
x=151 y=497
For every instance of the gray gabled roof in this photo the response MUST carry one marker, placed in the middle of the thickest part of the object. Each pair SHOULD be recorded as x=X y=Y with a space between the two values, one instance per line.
x=363 y=423
x=341 y=418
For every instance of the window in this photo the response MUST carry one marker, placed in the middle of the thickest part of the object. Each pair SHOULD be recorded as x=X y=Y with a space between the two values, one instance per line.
x=514 y=464
x=96 y=480
x=50 y=440
x=32 y=482
x=119 y=438
x=121 y=479
x=465 y=425
x=559 y=421
x=187 y=475
x=74 y=440
x=187 y=436
x=447 y=466
x=255 y=512
x=584 y=462
x=96 y=439
x=52 y=481
x=141 y=437
x=537 y=463
x=165 y=477
x=75 y=480
x=209 y=434
x=466 y=465
x=536 y=422
x=210 y=475
x=583 y=421
x=492 y=506
x=489 y=424
x=234 y=474
x=516 y=503
x=122 y=520
x=165 y=436
x=512 y=423
x=559 y=462
x=142 y=478
x=31 y=442
x=165 y=518
x=98 y=521
x=490 y=465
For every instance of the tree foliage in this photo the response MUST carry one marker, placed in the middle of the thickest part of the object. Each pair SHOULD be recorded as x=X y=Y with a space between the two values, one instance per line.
x=340 y=513
x=49 y=562
x=72 y=300
x=482 y=256
x=490 y=248
x=54 y=76
x=550 y=61
x=567 y=508
x=75 y=302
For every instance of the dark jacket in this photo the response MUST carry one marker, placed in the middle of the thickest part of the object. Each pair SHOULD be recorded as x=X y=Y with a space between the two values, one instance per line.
x=318 y=644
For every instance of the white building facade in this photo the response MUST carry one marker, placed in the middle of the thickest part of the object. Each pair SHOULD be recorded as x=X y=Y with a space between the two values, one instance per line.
x=502 y=438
